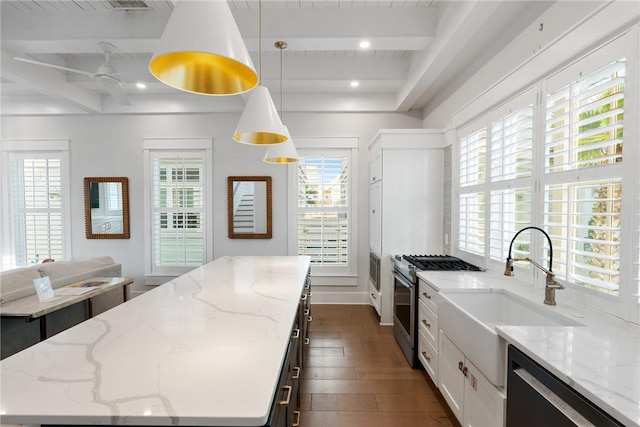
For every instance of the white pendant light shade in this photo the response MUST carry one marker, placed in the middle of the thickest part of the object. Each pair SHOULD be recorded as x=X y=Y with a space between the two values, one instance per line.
x=260 y=123
x=202 y=51
x=282 y=153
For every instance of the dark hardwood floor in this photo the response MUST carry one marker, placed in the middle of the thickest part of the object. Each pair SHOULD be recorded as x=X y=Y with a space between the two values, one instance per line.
x=357 y=376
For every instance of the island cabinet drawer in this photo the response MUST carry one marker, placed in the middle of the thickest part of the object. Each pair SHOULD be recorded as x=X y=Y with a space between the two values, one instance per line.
x=428 y=356
x=428 y=323
x=285 y=410
x=428 y=295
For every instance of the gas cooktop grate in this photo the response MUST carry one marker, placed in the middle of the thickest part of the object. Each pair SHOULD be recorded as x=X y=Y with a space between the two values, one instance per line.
x=440 y=262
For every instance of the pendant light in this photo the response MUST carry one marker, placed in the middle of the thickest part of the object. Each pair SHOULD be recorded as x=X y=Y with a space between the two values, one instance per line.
x=260 y=123
x=201 y=51
x=285 y=152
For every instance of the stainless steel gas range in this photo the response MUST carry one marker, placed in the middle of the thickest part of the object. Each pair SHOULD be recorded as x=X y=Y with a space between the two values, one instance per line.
x=405 y=295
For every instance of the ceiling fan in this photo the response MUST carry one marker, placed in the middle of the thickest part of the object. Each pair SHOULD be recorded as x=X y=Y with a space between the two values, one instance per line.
x=105 y=74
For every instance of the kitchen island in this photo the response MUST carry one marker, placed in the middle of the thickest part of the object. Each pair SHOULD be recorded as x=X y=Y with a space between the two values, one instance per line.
x=208 y=348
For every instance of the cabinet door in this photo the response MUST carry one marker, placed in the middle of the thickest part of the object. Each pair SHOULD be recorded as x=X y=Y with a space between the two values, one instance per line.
x=452 y=381
x=375 y=166
x=375 y=217
x=484 y=404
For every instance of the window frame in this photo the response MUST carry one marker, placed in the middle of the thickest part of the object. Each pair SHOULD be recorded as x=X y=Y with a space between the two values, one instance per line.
x=200 y=147
x=9 y=149
x=327 y=146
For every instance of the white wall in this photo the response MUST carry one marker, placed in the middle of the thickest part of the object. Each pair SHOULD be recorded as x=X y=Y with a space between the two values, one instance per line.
x=111 y=145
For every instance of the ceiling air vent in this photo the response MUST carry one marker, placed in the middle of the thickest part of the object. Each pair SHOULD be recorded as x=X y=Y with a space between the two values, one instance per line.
x=128 y=4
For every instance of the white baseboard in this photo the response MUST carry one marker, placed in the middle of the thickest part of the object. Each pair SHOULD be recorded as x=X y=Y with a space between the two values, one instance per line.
x=339 y=297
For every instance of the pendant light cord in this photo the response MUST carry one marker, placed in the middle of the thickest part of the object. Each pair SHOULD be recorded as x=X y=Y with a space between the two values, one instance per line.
x=281 y=110
x=260 y=42
x=282 y=46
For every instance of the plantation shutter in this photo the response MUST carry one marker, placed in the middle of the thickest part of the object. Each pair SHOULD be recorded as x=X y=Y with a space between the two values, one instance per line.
x=510 y=211
x=584 y=133
x=510 y=207
x=323 y=209
x=512 y=145
x=472 y=210
x=36 y=208
x=178 y=206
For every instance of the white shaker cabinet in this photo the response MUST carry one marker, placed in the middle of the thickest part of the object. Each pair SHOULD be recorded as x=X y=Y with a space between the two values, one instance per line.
x=406 y=200
x=428 y=329
x=472 y=398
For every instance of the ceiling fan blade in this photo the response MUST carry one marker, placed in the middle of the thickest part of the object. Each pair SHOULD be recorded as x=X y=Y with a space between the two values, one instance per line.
x=57 y=67
x=114 y=87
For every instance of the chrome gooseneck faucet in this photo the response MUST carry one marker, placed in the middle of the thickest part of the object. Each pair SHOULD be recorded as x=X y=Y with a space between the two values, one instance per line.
x=551 y=284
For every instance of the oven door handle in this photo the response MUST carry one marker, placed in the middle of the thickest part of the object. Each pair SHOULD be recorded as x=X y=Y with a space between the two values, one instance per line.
x=400 y=278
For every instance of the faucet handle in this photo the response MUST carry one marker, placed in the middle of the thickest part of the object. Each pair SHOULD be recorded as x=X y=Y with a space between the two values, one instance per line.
x=508 y=271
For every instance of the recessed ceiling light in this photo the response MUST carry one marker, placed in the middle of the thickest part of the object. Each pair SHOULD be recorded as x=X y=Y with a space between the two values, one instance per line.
x=141 y=85
x=364 y=44
x=355 y=84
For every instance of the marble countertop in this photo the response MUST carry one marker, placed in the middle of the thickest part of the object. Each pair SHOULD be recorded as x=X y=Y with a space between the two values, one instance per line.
x=203 y=349
x=32 y=307
x=600 y=360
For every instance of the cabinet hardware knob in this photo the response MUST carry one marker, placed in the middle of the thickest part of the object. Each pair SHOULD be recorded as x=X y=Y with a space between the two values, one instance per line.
x=307 y=341
x=424 y=354
x=296 y=334
x=310 y=318
x=460 y=365
x=374 y=296
x=297 y=374
x=426 y=295
x=304 y=297
x=464 y=371
x=427 y=324
x=286 y=401
x=373 y=211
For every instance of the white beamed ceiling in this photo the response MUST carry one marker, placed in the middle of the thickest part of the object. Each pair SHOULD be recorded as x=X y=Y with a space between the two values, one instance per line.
x=417 y=48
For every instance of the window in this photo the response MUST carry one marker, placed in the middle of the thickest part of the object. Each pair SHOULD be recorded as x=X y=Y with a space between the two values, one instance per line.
x=177 y=209
x=554 y=159
x=325 y=213
x=323 y=209
x=584 y=138
x=38 y=181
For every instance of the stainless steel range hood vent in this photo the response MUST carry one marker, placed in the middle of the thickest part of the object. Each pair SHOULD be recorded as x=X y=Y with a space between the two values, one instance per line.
x=128 y=4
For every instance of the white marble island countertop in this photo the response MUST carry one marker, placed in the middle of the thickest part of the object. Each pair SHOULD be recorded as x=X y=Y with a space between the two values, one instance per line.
x=600 y=360
x=203 y=349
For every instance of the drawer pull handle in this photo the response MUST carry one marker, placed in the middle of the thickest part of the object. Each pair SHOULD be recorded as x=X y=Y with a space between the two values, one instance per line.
x=297 y=374
x=427 y=324
x=460 y=365
x=296 y=334
x=464 y=371
x=426 y=295
x=307 y=341
x=296 y=423
x=310 y=318
x=307 y=312
x=374 y=296
x=424 y=354
x=304 y=297
x=286 y=401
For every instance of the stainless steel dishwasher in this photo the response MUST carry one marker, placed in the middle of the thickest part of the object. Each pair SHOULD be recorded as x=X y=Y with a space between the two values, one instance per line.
x=536 y=398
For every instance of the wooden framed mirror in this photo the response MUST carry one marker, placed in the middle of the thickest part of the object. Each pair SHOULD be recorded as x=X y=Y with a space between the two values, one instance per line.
x=249 y=207
x=106 y=207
